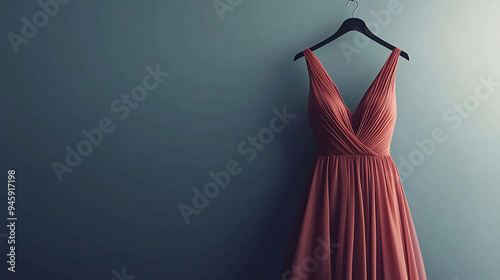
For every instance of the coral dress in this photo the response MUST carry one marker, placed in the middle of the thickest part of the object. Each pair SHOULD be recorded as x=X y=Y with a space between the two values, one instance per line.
x=353 y=222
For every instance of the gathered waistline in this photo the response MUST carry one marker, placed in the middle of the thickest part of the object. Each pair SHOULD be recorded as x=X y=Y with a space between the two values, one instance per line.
x=371 y=156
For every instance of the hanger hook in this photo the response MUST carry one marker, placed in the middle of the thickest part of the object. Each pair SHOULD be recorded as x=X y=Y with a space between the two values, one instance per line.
x=357 y=5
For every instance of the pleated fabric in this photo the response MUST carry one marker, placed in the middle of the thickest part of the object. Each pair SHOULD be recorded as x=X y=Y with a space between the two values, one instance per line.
x=353 y=221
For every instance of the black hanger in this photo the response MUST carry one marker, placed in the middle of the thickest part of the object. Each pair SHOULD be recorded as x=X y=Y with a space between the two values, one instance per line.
x=355 y=24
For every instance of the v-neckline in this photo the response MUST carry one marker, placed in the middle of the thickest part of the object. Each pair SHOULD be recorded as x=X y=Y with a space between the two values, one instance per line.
x=338 y=91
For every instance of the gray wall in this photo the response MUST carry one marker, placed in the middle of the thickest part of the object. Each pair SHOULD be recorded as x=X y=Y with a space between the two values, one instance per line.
x=229 y=73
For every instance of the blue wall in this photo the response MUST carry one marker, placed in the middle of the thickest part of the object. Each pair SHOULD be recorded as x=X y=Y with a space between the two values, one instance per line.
x=169 y=92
